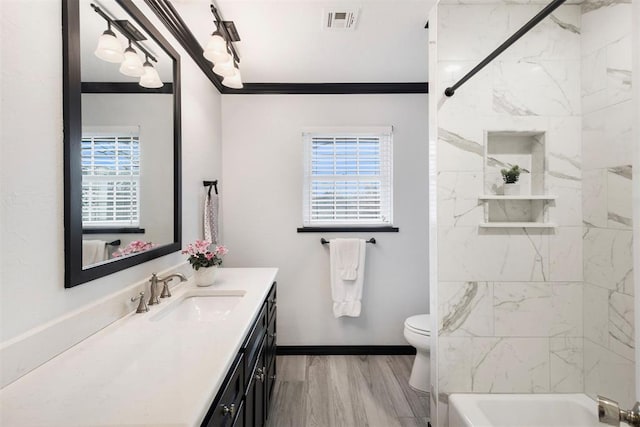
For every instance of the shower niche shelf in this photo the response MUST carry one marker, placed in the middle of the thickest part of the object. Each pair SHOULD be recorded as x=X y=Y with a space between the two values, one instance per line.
x=530 y=209
x=513 y=224
x=519 y=197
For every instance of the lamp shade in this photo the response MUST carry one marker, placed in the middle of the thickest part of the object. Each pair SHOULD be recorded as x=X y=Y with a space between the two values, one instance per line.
x=109 y=48
x=132 y=65
x=234 y=81
x=225 y=69
x=150 y=79
x=216 y=49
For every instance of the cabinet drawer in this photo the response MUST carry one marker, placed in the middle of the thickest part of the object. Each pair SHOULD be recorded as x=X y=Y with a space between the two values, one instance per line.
x=271 y=381
x=255 y=392
x=271 y=342
x=272 y=302
x=253 y=343
x=227 y=406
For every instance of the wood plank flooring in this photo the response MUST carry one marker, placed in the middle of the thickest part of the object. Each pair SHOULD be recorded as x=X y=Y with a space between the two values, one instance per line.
x=346 y=391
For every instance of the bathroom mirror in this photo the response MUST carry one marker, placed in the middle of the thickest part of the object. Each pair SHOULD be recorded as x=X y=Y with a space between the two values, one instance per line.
x=121 y=140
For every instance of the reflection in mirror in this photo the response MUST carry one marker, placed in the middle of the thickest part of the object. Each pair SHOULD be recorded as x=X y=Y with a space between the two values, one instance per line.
x=121 y=140
x=127 y=145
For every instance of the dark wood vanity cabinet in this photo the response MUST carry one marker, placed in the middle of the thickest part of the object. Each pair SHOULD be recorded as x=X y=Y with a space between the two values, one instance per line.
x=228 y=406
x=245 y=395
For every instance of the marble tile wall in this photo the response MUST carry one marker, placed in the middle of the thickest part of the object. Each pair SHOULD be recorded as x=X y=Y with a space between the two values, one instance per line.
x=510 y=301
x=606 y=203
x=537 y=310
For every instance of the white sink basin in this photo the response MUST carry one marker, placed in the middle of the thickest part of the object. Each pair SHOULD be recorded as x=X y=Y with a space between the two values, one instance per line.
x=201 y=306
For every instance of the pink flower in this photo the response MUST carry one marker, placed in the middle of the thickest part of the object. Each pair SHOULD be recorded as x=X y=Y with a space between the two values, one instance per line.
x=209 y=255
x=202 y=245
x=221 y=250
x=132 y=248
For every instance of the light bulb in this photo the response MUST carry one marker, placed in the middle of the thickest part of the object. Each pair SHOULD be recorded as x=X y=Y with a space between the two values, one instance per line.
x=234 y=81
x=132 y=65
x=216 y=48
x=150 y=79
x=225 y=69
x=109 y=48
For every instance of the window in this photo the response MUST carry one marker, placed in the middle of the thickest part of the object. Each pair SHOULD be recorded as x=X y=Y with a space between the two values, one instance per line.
x=110 y=179
x=347 y=178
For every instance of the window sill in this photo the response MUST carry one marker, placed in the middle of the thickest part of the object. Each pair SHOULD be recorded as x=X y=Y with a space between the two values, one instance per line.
x=113 y=230
x=347 y=229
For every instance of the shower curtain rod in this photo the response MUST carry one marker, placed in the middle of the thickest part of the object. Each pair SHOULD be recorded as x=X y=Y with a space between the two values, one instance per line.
x=511 y=40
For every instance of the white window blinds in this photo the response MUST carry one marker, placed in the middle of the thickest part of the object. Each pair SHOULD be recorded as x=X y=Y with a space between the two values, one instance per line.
x=348 y=178
x=110 y=180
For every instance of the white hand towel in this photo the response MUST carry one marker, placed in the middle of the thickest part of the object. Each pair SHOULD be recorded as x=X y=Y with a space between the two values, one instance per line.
x=94 y=251
x=347 y=252
x=346 y=294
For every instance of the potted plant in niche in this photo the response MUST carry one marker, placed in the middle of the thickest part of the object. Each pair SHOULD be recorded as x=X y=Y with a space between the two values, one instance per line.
x=205 y=260
x=510 y=176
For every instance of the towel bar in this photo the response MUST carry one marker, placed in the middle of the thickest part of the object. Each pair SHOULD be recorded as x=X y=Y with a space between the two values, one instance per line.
x=325 y=241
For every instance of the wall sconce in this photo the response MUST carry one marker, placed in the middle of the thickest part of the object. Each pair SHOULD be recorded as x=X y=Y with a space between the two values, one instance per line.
x=132 y=65
x=110 y=49
x=150 y=79
x=216 y=48
x=235 y=80
x=221 y=52
x=225 y=69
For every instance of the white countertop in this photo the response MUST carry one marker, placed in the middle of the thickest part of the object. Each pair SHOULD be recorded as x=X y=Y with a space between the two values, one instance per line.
x=140 y=372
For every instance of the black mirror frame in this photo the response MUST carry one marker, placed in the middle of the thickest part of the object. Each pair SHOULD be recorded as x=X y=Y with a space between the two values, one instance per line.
x=72 y=112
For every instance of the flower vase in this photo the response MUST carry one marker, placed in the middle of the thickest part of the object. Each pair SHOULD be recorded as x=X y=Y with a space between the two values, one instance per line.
x=205 y=276
x=512 y=189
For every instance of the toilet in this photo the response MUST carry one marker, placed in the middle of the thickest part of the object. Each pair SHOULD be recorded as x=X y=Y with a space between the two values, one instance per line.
x=417 y=331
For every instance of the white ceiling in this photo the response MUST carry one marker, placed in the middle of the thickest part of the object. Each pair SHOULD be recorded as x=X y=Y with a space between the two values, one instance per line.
x=284 y=42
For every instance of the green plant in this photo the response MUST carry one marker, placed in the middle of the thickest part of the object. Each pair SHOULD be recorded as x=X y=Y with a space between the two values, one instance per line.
x=510 y=176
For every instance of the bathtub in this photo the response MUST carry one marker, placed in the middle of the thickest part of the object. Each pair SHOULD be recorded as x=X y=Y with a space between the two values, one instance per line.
x=522 y=410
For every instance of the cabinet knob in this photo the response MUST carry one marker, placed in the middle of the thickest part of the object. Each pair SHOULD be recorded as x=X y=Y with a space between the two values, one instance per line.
x=229 y=410
x=273 y=335
x=273 y=377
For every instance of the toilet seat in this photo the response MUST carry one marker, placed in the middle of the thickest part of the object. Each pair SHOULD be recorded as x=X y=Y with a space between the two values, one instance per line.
x=420 y=324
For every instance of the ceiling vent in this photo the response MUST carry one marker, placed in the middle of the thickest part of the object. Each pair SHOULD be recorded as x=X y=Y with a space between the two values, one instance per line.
x=343 y=19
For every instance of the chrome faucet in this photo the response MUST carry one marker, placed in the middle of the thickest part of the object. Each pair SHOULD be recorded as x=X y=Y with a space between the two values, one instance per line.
x=153 y=299
x=609 y=412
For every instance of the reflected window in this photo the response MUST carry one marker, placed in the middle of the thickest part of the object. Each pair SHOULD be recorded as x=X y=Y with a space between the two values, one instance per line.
x=111 y=179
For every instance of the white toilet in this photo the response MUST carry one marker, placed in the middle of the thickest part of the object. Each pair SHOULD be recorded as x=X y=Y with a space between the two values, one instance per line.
x=417 y=331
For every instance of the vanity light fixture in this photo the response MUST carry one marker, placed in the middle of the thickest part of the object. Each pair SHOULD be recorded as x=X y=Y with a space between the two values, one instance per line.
x=109 y=48
x=132 y=65
x=221 y=52
x=234 y=81
x=150 y=79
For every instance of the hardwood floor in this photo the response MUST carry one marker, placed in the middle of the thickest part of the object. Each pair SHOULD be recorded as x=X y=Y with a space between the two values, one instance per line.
x=346 y=391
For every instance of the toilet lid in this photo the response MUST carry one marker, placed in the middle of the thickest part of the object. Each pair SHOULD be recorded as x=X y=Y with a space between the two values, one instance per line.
x=420 y=323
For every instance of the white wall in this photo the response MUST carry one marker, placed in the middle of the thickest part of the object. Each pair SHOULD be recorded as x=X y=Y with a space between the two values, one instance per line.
x=261 y=203
x=31 y=168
